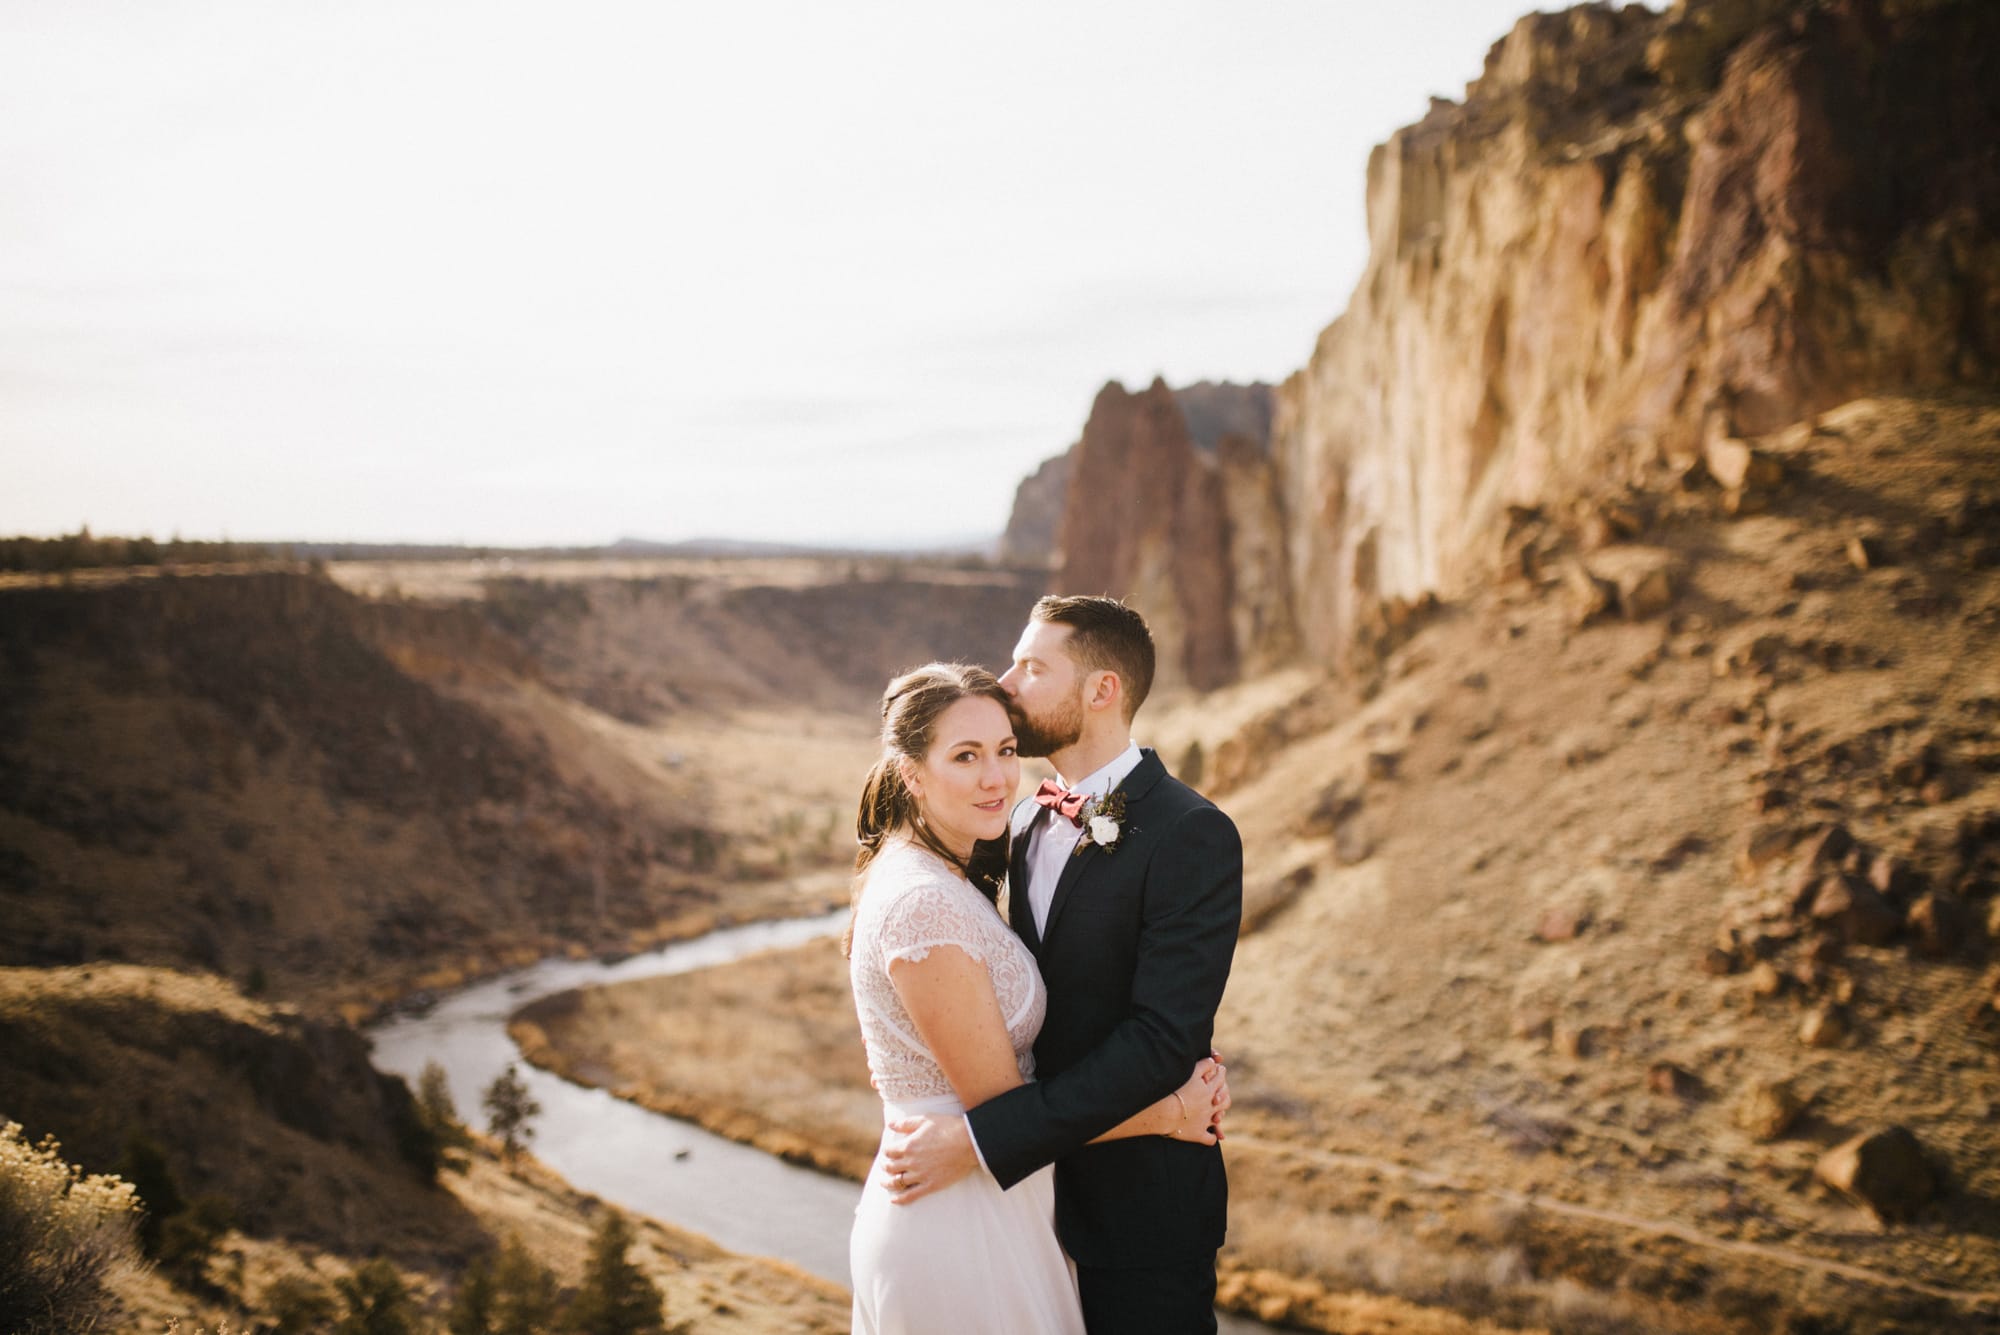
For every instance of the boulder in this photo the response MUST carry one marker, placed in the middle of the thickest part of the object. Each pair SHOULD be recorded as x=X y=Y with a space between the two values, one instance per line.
x=1939 y=924
x=1761 y=848
x=1740 y=468
x=1648 y=595
x=1866 y=552
x=1863 y=917
x=1894 y=878
x=1586 y=597
x=1672 y=1081
x=1769 y=1109
x=1765 y=980
x=1887 y=1171
x=1823 y=1027
x=1563 y=923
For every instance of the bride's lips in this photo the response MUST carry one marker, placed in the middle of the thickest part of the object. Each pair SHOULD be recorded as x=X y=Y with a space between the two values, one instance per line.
x=995 y=805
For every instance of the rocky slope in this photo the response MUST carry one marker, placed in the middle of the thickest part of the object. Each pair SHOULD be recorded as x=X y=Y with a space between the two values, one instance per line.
x=1638 y=235
x=342 y=798
x=282 y=1120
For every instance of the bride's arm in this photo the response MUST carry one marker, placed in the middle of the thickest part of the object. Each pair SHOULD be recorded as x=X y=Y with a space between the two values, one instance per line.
x=1190 y=1113
x=949 y=997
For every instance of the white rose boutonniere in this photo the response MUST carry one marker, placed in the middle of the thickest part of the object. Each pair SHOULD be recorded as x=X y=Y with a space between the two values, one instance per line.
x=1103 y=823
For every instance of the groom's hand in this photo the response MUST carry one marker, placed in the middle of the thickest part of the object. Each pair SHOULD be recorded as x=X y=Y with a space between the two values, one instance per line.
x=934 y=1152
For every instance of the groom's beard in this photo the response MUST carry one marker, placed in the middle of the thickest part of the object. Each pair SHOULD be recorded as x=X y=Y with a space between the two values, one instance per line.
x=1050 y=733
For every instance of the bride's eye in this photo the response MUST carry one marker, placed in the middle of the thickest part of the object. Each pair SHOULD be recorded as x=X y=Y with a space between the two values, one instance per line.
x=1006 y=750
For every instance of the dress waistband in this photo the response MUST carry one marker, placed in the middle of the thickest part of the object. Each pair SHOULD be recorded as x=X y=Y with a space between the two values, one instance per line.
x=938 y=1105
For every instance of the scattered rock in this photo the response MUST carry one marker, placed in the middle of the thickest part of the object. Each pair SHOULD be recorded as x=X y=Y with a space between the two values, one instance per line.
x=1829 y=846
x=1352 y=842
x=1769 y=1109
x=1762 y=847
x=1335 y=806
x=1671 y=1081
x=1765 y=980
x=1740 y=468
x=1823 y=1027
x=1850 y=903
x=1383 y=764
x=1575 y=1041
x=1531 y=1024
x=1939 y=924
x=1646 y=596
x=1887 y=1171
x=1717 y=962
x=1866 y=552
x=1588 y=597
x=1894 y=878
x=1562 y=924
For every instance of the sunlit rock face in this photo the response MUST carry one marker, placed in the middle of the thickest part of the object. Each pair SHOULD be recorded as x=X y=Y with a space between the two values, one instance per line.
x=1030 y=539
x=1172 y=504
x=1637 y=232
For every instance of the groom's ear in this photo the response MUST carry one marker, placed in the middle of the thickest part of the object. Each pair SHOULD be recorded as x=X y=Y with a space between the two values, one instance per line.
x=1104 y=691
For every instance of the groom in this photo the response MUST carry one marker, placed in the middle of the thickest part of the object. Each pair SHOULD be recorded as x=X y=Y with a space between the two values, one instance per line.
x=1132 y=917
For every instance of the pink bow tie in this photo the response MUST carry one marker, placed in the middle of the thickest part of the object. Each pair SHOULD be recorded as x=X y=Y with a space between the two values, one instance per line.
x=1061 y=800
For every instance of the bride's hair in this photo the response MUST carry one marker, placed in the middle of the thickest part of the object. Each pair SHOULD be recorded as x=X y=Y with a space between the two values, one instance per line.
x=911 y=708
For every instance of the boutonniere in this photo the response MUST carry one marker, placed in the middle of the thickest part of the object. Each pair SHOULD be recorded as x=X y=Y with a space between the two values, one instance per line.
x=1103 y=823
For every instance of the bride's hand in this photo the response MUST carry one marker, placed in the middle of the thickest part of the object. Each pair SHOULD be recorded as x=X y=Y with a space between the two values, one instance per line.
x=1205 y=1098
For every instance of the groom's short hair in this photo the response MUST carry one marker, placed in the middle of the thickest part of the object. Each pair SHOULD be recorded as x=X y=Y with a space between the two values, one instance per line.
x=1105 y=636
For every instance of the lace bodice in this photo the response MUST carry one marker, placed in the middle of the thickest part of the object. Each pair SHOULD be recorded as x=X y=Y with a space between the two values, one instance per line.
x=912 y=902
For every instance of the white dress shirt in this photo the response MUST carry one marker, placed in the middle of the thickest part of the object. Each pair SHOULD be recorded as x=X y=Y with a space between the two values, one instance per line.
x=1052 y=840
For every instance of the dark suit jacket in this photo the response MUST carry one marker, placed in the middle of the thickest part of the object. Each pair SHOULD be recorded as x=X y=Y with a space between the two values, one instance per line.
x=1136 y=952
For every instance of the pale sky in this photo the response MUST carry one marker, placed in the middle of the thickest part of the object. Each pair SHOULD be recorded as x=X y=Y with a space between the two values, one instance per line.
x=532 y=273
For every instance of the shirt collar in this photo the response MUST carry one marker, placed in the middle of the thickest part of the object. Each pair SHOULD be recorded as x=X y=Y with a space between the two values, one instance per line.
x=1109 y=776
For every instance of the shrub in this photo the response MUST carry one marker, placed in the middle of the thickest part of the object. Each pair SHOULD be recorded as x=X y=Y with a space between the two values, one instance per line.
x=378 y=1302
x=298 y=1305
x=178 y=1233
x=61 y=1235
x=513 y=1295
x=616 y=1298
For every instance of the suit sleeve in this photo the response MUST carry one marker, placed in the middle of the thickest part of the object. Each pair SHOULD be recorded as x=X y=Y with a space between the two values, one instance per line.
x=1192 y=906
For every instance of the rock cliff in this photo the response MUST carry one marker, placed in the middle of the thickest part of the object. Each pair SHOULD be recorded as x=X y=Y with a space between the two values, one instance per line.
x=1173 y=503
x=1640 y=235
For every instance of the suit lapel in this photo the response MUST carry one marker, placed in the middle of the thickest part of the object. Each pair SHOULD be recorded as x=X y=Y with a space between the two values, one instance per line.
x=1137 y=784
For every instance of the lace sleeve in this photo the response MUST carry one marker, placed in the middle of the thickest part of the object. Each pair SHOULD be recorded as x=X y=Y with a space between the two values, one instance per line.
x=927 y=913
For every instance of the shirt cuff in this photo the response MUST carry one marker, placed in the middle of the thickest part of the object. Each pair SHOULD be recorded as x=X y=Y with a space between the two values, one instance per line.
x=976 y=1151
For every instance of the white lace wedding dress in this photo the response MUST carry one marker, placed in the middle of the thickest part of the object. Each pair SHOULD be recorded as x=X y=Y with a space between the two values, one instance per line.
x=972 y=1257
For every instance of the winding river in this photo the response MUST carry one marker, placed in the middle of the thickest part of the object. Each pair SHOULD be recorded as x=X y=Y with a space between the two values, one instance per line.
x=743 y=1198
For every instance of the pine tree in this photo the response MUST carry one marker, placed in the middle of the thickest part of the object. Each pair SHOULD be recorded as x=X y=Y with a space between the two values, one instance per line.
x=434 y=1095
x=471 y=1310
x=510 y=1109
x=440 y=1118
x=525 y=1293
x=616 y=1298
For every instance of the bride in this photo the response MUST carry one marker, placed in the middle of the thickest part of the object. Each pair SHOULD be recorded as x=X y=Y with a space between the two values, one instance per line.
x=950 y=1003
